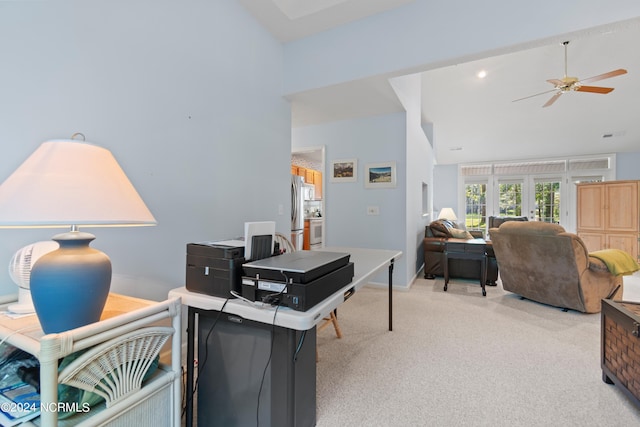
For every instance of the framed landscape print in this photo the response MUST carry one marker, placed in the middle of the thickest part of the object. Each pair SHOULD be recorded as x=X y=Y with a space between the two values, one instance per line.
x=345 y=170
x=380 y=175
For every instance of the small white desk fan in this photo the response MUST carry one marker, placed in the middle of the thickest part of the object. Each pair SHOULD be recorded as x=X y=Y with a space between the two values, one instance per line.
x=20 y=272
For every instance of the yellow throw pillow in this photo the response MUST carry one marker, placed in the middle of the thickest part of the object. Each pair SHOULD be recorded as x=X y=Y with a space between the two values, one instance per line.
x=460 y=234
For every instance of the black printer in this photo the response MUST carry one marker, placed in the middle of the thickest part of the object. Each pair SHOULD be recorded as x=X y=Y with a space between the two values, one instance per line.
x=215 y=268
x=298 y=280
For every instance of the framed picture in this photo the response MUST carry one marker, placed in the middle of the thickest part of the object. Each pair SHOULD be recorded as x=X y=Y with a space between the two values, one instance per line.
x=380 y=175
x=345 y=170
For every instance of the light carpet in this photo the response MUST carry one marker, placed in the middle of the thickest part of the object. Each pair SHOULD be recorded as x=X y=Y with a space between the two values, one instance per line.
x=457 y=358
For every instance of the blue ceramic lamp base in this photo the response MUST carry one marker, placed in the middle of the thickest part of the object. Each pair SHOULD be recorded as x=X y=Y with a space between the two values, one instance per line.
x=70 y=285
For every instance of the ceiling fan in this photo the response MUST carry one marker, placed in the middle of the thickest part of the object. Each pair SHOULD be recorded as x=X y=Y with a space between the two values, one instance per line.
x=567 y=84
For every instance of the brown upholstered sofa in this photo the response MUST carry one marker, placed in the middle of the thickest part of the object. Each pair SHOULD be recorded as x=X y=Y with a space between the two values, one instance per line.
x=497 y=221
x=437 y=233
x=542 y=262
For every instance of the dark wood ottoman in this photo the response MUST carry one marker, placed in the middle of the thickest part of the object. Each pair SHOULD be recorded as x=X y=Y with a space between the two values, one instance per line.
x=621 y=347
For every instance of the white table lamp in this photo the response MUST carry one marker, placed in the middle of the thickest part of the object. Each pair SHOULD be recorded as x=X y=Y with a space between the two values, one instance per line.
x=447 y=213
x=67 y=184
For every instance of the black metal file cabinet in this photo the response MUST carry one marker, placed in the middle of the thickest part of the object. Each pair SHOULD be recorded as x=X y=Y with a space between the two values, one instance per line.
x=252 y=373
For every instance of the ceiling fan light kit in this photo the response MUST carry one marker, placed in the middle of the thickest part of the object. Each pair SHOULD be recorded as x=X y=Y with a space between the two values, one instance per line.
x=574 y=84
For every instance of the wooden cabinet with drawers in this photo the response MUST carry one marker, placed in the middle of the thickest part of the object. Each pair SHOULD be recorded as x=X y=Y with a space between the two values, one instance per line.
x=608 y=215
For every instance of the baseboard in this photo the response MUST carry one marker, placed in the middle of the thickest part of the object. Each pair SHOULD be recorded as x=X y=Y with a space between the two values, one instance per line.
x=386 y=286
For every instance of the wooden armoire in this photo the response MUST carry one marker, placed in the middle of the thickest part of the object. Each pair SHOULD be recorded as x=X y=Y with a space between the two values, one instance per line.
x=608 y=215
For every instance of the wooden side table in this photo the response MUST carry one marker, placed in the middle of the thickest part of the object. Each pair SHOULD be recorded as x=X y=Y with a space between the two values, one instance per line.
x=475 y=249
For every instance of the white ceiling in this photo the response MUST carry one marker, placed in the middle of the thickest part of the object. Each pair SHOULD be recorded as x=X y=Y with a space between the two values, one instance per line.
x=474 y=119
x=294 y=19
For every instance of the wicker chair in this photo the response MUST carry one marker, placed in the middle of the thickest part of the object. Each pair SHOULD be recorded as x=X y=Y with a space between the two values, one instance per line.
x=284 y=242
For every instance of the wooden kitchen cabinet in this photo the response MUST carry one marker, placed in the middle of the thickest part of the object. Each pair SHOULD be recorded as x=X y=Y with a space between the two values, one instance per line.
x=308 y=177
x=317 y=181
x=311 y=176
x=302 y=171
x=608 y=215
x=306 y=236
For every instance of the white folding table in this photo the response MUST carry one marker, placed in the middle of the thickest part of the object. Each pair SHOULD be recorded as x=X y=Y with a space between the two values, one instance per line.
x=367 y=263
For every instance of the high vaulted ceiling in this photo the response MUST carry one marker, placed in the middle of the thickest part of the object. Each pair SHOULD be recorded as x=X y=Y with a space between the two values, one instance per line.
x=476 y=119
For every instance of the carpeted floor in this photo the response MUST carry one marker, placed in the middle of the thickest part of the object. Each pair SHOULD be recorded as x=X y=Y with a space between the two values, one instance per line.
x=456 y=358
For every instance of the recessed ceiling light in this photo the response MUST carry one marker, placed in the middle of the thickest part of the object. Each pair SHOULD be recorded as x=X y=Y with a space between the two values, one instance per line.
x=456 y=149
x=482 y=74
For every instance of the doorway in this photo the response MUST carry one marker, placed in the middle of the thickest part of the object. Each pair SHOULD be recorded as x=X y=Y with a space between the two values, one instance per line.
x=537 y=197
x=313 y=159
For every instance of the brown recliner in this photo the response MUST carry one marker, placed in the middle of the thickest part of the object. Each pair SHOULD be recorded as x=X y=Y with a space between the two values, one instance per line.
x=542 y=262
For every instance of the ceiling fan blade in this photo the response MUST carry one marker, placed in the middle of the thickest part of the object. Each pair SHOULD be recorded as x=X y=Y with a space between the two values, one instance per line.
x=556 y=82
x=553 y=99
x=594 y=89
x=610 y=74
x=537 y=94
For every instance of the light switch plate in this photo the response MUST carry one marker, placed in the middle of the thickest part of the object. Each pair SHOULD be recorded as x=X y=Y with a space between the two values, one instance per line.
x=373 y=210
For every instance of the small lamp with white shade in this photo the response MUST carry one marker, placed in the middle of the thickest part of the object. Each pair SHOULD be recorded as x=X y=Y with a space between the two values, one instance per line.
x=447 y=213
x=67 y=184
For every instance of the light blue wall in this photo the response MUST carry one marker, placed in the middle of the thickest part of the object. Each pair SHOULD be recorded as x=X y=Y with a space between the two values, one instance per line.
x=429 y=35
x=419 y=171
x=187 y=96
x=445 y=194
x=628 y=165
x=370 y=140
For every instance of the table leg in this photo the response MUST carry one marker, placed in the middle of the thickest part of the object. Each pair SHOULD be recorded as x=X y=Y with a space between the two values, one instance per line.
x=483 y=275
x=390 y=295
x=191 y=331
x=446 y=270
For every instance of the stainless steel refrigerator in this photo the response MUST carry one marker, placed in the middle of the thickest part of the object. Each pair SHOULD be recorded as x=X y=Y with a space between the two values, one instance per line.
x=297 y=211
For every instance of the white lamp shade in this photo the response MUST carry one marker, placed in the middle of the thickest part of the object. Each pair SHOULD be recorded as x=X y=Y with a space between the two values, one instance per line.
x=447 y=213
x=67 y=182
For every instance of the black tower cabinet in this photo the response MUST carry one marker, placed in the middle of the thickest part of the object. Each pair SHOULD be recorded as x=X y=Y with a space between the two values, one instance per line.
x=252 y=373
